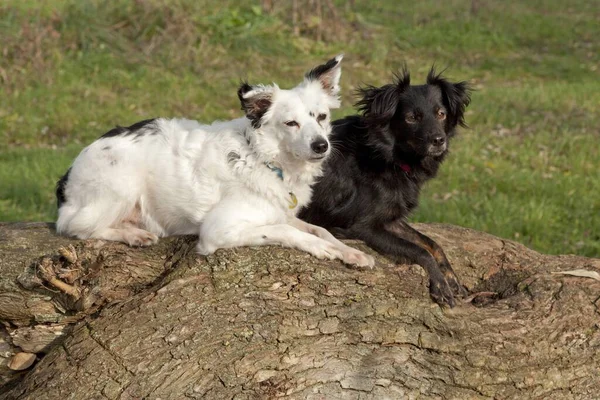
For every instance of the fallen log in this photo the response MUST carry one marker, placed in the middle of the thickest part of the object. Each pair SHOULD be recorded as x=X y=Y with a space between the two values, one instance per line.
x=108 y=321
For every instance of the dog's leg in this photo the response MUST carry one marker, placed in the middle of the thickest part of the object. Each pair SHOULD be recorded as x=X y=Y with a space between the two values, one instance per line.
x=130 y=235
x=280 y=234
x=388 y=243
x=405 y=231
x=351 y=255
x=106 y=221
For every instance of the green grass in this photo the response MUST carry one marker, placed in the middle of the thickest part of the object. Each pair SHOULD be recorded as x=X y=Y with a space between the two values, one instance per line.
x=527 y=169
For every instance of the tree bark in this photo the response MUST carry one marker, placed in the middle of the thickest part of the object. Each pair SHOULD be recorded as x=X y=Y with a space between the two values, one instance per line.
x=111 y=322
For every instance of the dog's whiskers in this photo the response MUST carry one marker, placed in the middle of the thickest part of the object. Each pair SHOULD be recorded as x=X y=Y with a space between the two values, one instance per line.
x=335 y=151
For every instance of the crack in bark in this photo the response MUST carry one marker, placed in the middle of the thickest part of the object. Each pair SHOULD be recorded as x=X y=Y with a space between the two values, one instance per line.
x=115 y=357
x=556 y=296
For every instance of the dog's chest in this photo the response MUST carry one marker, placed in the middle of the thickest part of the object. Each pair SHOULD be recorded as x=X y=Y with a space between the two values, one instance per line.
x=410 y=189
x=289 y=195
x=398 y=195
x=282 y=192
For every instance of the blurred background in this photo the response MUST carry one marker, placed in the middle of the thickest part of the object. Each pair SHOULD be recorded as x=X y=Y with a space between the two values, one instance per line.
x=528 y=168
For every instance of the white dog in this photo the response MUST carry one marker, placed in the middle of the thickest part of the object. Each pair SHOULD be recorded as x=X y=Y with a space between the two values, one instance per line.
x=235 y=183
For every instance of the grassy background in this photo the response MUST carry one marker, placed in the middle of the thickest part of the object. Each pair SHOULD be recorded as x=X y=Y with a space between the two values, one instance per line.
x=527 y=169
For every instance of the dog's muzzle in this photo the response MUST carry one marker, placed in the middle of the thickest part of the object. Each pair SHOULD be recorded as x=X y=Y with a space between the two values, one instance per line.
x=435 y=151
x=437 y=146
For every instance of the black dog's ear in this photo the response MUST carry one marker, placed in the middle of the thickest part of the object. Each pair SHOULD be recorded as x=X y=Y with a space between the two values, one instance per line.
x=378 y=105
x=256 y=101
x=456 y=96
x=328 y=75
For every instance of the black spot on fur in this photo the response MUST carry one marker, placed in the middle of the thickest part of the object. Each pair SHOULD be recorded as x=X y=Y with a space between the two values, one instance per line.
x=256 y=106
x=106 y=148
x=113 y=162
x=60 y=189
x=145 y=127
x=116 y=131
x=232 y=157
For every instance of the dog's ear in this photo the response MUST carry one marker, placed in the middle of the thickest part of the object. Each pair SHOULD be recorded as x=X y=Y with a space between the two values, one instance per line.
x=256 y=101
x=328 y=75
x=378 y=104
x=456 y=97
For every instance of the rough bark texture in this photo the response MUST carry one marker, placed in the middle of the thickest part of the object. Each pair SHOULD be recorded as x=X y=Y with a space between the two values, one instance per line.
x=108 y=321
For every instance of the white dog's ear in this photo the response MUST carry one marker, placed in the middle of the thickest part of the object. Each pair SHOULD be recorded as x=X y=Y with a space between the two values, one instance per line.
x=328 y=75
x=256 y=101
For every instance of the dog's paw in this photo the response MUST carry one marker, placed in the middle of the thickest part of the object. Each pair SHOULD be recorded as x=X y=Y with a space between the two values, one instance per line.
x=324 y=250
x=140 y=237
x=457 y=289
x=358 y=258
x=441 y=293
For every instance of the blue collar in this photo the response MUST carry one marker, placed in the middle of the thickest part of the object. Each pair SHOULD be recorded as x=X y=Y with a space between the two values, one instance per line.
x=293 y=199
x=275 y=169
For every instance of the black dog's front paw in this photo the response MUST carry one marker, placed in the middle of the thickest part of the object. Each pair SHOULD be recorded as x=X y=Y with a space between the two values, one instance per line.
x=457 y=289
x=440 y=291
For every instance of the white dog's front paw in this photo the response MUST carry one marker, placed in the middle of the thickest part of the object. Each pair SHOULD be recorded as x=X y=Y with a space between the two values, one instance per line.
x=139 y=237
x=324 y=250
x=358 y=258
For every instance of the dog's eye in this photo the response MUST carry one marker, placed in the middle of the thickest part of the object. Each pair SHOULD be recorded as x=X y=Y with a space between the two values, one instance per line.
x=321 y=117
x=410 y=118
x=292 y=123
x=441 y=114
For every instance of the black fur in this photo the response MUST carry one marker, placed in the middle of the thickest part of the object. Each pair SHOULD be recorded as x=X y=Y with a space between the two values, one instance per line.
x=324 y=74
x=254 y=107
x=60 y=189
x=139 y=129
x=372 y=182
x=232 y=157
x=319 y=70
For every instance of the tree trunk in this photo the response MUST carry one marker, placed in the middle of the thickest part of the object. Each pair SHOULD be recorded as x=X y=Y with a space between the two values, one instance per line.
x=109 y=321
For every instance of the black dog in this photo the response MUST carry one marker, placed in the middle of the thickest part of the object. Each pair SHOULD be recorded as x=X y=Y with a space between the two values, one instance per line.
x=380 y=161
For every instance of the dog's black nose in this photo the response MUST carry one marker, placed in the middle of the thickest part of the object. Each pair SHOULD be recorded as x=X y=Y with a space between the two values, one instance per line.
x=439 y=140
x=319 y=146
